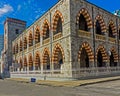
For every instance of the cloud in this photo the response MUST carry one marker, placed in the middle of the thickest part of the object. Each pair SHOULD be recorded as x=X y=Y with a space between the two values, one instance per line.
x=18 y=7
x=5 y=9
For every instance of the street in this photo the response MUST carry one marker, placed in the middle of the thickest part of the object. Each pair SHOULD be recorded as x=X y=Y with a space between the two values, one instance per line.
x=14 y=88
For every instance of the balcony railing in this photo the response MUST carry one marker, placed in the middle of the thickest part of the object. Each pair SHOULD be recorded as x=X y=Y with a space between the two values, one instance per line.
x=30 y=48
x=100 y=37
x=58 y=35
x=83 y=33
x=79 y=72
x=46 y=41
x=37 y=45
x=112 y=40
x=25 y=50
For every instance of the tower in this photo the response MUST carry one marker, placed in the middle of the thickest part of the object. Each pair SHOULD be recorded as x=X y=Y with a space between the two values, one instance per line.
x=12 y=28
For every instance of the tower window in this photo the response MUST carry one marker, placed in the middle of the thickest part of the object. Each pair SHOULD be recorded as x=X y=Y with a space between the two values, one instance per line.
x=17 y=31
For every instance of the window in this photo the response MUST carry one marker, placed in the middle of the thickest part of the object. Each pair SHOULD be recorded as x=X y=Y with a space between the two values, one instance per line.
x=17 y=31
x=83 y=23
x=110 y=32
x=98 y=28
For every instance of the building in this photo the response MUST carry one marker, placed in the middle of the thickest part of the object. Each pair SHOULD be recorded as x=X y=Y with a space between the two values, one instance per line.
x=1 y=43
x=12 y=29
x=73 y=39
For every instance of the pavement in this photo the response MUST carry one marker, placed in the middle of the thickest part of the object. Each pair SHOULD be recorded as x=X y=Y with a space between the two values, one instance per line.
x=67 y=83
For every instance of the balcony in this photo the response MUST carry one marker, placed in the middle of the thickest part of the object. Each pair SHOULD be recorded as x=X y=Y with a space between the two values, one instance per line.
x=37 y=45
x=46 y=41
x=30 y=48
x=25 y=50
x=83 y=33
x=56 y=36
x=112 y=40
x=100 y=37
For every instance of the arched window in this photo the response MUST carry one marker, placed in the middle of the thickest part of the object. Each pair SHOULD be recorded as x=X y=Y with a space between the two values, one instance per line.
x=16 y=48
x=30 y=62
x=13 y=49
x=119 y=34
x=46 y=31
x=30 y=40
x=20 y=45
x=46 y=61
x=37 y=62
x=59 y=25
x=98 y=28
x=25 y=43
x=82 y=23
x=25 y=63
x=110 y=31
x=37 y=36
x=84 y=63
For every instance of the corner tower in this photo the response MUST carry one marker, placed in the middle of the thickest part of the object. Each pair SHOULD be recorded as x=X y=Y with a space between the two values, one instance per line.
x=12 y=28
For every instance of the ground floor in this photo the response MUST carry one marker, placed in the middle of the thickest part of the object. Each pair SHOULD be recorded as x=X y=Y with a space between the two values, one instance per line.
x=64 y=62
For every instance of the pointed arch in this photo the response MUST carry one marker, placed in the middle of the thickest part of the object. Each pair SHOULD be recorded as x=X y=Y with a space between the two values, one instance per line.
x=37 y=35
x=25 y=61
x=16 y=49
x=100 y=19
x=30 y=39
x=13 y=49
x=58 y=56
x=20 y=45
x=46 y=29
x=115 y=55
x=57 y=21
x=101 y=53
x=88 y=49
x=112 y=29
x=25 y=42
x=86 y=15
x=30 y=62
x=46 y=59
x=37 y=61
x=21 y=63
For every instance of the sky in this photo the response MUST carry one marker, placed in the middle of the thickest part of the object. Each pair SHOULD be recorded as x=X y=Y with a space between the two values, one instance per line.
x=31 y=10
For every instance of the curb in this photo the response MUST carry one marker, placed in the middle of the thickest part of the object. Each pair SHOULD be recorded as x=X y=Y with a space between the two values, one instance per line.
x=67 y=83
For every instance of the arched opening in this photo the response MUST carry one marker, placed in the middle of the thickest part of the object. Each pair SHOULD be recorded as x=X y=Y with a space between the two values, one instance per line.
x=37 y=62
x=25 y=43
x=30 y=63
x=30 y=40
x=20 y=45
x=82 y=23
x=59 y=25
x=21 y=64
x=25 y=63
x=84 y=59
x=16 y=48
x=58 y=58
x=37 y=36
x=98 y=28
x=100 y=59
x=112 y=59
x=46 y=31
x=13 y=49
x=119 y=34
x=46 y=61
x=110 y=32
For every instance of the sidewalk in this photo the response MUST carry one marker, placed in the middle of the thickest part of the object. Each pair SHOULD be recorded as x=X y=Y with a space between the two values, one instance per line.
x=68 y=83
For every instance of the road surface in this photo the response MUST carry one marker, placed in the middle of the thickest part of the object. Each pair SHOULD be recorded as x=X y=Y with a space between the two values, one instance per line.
x=14 y=88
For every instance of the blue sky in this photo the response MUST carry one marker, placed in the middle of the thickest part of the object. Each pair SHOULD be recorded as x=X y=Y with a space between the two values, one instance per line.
x=30 y=10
